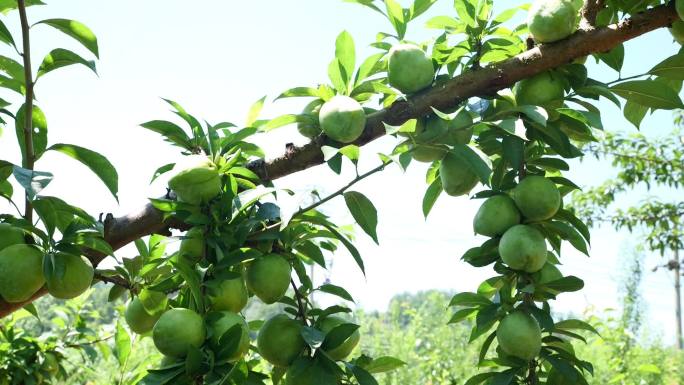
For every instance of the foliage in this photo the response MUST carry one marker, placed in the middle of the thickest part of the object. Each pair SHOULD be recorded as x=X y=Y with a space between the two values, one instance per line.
x=235 y=217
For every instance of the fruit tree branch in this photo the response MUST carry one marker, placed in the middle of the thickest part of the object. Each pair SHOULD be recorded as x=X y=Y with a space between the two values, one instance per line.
x=483 y=82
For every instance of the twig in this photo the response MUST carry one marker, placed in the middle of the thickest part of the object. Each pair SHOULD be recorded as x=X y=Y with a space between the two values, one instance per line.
x=115 y=280
x=590 y=11
x=301 y=211
x=29 y=155
x=89 y=343
x=300 y=305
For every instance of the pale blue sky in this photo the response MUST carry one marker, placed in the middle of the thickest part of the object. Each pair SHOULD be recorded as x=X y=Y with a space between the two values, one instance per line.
x=217 y=57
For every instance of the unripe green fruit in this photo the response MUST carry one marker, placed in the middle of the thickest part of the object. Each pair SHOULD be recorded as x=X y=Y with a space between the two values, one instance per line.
x=679 y=6
x=269 y=277
x=496 y=215
x=21 y=269
x=10 y=235
x=429 y=153
x=343 y=350
x=523 y=248
x=677 y=31
x=342 y=119
x=219 y=323
x=537 y=198
x=539 y=90
x=457 y=179
x=519 y=335
x=409 y=69
x=311 y=129
x=280 y=341
x=177 y=330
x=78 y=275
x=198 y=184
x=193 y=246
x=461 y=128
x=228 y=295
x=552 y=20
x=138 y=319
x=548 y=273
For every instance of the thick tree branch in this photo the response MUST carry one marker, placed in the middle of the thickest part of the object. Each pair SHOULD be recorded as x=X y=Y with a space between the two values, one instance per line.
x=590 y=11
x=483 y=82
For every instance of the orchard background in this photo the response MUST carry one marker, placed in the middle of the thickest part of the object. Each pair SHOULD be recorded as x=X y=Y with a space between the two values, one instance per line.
x=228 y=56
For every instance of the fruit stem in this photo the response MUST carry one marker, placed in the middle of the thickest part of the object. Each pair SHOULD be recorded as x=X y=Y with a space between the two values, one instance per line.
x=29 y=155
x=301 y=309
x=532 y=374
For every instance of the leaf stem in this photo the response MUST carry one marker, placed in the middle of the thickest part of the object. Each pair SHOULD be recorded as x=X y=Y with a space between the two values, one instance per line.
x=29 y=158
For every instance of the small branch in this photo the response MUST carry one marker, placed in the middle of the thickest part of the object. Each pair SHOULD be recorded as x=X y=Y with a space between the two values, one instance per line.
x=301 y=309
x=89 y=343
x=532 y=378
x=590 y=11
x=29 y=156
x=115 y=280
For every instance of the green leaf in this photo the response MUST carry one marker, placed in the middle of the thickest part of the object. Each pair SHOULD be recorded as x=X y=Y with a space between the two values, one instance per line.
x=565 y=284
x=419 y=7
x=39 y=131
x=352 y=249
x=635 y=113
x=671 y=68
x=299 y=92
x=480 y=378
x=575 y=324
x=5 y=34
x=97 y=163
x=431 y=194
x=367 y=3
x=474 y=161
x=338 y=76
x=569 y=234
x=362 y=376
x=384 y=364
x=345 y=53
x=648 y=93
x=61 y=57
x=254 y=111
x=338 y=335
x=614 y=58
x=122 y=343
x=395 y=14
x=32 y=181
x=12 y=68
x=462 y=314
x=364 y=212
x=153 y=301
x=77 y=30
x=469 y=300
x=170 y=131
x=57 y=214
x=336 y=290
x=162 y=170
x=649 y=368
x=372 y=65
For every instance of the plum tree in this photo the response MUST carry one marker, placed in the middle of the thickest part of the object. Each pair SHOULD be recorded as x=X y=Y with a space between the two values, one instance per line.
x=177 y=331
x=21 y=271
x=523 y=248
x=496 y=215
x=342 y=119
x=519 y=335
x=409 y=69
x=280 y=341
x=553 y=20
x=486 y=105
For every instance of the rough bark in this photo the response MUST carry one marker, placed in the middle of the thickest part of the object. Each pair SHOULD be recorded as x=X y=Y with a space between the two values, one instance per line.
x=482 y=82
